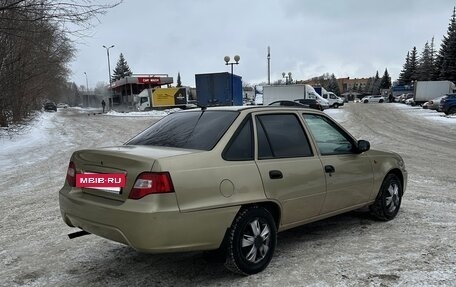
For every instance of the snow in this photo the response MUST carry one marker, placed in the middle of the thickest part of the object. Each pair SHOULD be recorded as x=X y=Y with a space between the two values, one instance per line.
x=153 y=113
x=22 y=140
x=426 y=114
x=416 y=248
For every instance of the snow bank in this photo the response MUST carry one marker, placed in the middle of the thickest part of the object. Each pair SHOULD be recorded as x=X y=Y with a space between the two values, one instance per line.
x=154 y=113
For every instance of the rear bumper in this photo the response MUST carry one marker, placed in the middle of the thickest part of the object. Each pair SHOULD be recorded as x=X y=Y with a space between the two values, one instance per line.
x=152 y=224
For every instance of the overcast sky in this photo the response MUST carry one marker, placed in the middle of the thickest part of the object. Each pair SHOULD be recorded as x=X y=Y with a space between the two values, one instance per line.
x=350 y=38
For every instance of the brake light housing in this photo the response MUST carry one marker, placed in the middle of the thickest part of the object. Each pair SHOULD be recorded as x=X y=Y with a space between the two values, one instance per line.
x=71 y=174
x=151 y=183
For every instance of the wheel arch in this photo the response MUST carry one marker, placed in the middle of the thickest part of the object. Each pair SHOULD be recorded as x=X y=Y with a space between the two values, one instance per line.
x=271 y=206
x=397 y=172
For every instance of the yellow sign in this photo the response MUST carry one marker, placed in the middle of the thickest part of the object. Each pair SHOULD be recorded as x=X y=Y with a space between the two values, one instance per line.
x=164 y=97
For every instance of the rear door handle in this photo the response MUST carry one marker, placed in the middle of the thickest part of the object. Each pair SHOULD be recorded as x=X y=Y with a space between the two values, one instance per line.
x=275 y=174
x=329 y=169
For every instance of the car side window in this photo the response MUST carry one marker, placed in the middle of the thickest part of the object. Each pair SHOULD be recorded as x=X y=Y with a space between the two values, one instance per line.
x=330 y=139
x=281 y=136
x=240 y=146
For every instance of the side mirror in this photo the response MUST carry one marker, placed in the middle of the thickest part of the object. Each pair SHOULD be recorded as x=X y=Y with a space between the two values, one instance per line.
x=363 y=146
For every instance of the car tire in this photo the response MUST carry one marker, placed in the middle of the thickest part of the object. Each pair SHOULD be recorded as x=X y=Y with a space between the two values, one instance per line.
x=451 y=111
x=336 y=105
x=380 y=101
x=253 y=227
x=389 y=198
x=365 y=101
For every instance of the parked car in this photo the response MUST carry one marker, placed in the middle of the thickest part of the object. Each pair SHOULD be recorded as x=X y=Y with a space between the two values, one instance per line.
x=448 y=104
x=405 y=97
x=410 y=102
x=373 y=99
x=50 y=106
x=433 y=104
x=312 y=103
x=228 y=179
x=288 y=104
x=62 y=105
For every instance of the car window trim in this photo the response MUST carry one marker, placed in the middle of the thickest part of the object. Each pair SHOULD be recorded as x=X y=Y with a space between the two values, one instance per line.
x=234 y=137
x=297 y=114
x=345 y=133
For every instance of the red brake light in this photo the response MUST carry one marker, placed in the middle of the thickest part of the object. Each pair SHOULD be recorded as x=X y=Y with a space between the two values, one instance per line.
x=151 y=182
x=71 y=174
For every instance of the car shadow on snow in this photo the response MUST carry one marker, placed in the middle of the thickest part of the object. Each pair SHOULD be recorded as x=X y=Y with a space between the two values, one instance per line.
x=121 y=265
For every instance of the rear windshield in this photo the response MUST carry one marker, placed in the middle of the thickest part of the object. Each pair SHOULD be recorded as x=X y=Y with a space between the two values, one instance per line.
x=192 y=130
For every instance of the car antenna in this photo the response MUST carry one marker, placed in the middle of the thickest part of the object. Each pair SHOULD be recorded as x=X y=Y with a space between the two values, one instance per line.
x=203 y=108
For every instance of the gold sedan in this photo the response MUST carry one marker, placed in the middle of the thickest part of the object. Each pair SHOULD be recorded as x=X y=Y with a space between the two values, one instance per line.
x=228 y=179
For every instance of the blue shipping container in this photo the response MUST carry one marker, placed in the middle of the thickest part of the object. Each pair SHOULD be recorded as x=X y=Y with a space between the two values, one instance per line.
x=218 y=89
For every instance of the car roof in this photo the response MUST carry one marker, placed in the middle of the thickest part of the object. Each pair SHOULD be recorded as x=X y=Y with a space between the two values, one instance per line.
x=255 y=109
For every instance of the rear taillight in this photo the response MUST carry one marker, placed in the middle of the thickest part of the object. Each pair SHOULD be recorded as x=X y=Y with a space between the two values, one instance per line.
x=71 y=174
x=151 y=182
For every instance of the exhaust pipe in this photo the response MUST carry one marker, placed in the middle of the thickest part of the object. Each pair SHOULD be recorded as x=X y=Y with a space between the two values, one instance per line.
x=78 y=234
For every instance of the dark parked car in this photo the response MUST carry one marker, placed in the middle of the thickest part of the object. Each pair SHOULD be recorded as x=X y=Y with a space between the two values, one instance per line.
x=312 y=103
x=50 y=106
x=448 y=104
x=287 y=104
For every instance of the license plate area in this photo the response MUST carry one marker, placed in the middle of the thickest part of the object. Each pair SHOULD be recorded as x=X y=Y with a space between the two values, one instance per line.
x=112 y=189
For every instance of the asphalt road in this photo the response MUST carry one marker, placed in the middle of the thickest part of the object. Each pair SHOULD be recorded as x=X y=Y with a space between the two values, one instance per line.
x=415 y=249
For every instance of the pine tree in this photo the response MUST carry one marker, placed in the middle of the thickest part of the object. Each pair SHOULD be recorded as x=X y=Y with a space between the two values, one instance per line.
x=413 y=65
x=404 y=76
x=435 y=69
x=446 y=59
x=425 y=68
x=333 y=85
x=385 y=82
x=122 y=69
x=179 y=83
x=375 y=85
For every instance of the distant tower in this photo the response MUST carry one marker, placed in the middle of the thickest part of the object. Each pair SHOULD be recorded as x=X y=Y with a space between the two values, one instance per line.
x=269 y=65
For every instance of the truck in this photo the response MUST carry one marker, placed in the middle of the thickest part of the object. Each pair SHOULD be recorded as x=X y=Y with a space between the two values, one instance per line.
x=425 y=91
x=159 y=98
x=272 y=93
x=333 y=99
x=218 y=89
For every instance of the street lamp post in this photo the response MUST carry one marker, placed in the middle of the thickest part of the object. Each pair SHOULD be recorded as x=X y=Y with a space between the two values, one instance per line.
x=269 y=65
x=87 y=83
x=109 y=73
x=236 y=62
x=288 y=79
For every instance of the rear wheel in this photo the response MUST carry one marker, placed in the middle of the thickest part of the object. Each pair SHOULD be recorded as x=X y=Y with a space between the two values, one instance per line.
x=389 y=198
x=381 y=101
x=251 y=241
x=366 y=101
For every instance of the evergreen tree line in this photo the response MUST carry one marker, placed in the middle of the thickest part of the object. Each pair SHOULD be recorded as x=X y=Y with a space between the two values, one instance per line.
x=35 y=50
x=373 y=86
x=431 y=65
x=328 y=82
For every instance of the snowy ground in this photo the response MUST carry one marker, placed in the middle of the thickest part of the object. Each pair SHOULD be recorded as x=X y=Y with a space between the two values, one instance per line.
x=418 y=248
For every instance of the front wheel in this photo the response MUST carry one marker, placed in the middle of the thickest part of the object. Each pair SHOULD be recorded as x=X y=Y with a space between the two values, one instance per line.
x=389 y=198
x=381 y=101
x=252 y=241
x=336 y=105
x=451 y=111
x=366 y=101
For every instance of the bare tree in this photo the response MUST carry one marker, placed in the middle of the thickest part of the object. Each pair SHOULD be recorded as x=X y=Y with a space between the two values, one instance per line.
x=35 y=50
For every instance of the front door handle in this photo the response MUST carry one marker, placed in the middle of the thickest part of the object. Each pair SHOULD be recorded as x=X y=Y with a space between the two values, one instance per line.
x=275 y=174
x=329 y=169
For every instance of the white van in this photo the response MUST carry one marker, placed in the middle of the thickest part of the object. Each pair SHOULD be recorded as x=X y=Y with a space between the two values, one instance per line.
x=334 y=101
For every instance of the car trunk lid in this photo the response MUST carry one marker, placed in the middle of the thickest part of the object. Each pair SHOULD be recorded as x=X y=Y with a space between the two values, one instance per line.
x=130 y=160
